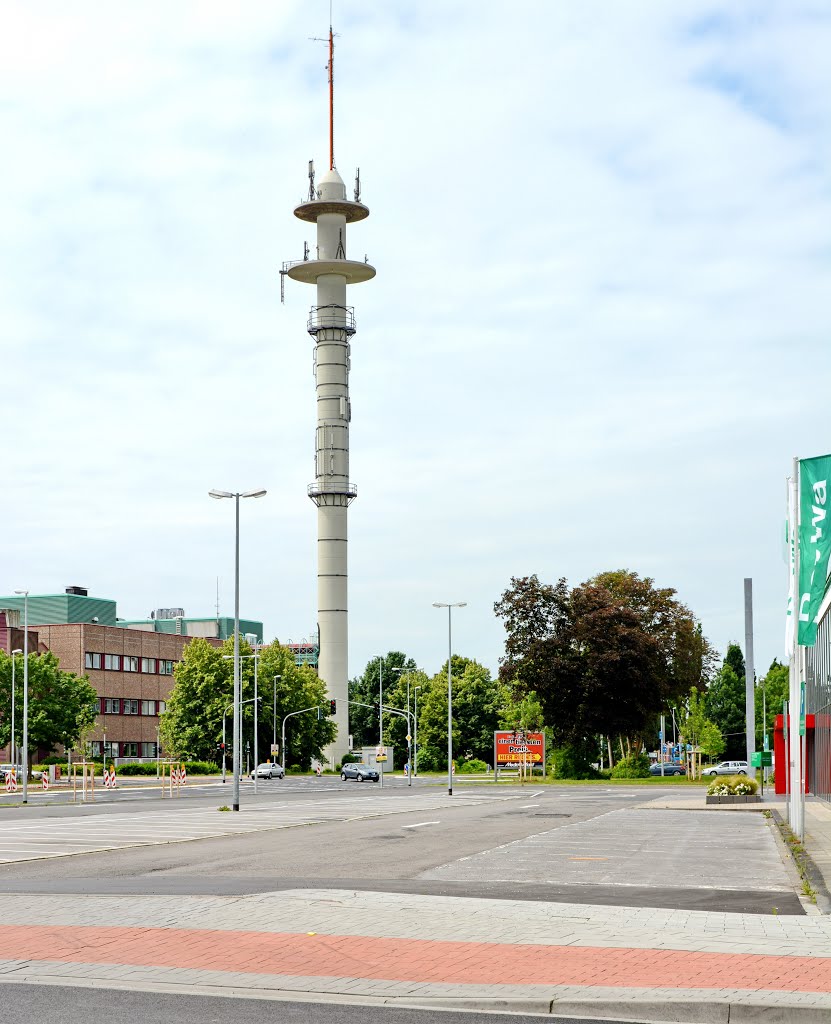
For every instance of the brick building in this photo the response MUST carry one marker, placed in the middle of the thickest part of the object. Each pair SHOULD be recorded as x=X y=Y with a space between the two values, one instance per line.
x=132 y=671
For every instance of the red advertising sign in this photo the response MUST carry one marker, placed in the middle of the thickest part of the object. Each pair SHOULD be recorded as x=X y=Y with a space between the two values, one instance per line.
x=511 y=749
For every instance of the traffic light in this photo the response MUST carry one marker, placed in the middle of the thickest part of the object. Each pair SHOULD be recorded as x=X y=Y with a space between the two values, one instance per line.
x=333 y=707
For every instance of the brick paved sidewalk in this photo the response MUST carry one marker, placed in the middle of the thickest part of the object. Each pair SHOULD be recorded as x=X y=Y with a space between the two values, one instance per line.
x=414 y=948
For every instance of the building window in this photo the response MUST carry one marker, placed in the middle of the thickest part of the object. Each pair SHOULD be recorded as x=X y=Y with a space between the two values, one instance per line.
x=112 y=706
x=129 y=750
x=110 y=749
x=130 y=664
x=148 y=707
x=129 y=707
x=112 y=662
x=148 y=665
x=98 y=705
x=95 y=748
x=92 y=660
x=166 y=668
x=161 y=707
x=148 y=750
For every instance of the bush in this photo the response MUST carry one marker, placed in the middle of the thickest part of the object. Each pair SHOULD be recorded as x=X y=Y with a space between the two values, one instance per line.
x=732 y=785
x=149 y=768
x=572 y=762
x=426 y=761
x=636 y=766
x=471 y=767
x=54 y=759
x=136 y=769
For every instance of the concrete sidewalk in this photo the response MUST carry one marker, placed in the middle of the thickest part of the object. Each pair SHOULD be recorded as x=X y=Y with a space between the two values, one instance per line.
x=430 y=950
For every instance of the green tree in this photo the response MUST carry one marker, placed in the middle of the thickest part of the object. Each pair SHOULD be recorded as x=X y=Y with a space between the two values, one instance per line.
x=770 y=692
x=365 y=690
x=697 y=729
x=725 y=703
x=204 y=688
x=478 y=704
x=604 y=657
x=61 y=704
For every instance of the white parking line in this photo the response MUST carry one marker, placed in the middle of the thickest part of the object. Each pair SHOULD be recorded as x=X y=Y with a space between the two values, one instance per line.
x=421 y=824
x=524 y=807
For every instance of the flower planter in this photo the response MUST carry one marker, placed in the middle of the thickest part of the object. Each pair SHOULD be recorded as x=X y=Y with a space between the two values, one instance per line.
x=748 y=798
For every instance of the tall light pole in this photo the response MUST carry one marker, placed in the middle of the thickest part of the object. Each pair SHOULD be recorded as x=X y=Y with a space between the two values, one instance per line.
x=406 y=672
x=274 y=718
x=381 y=718
x=25 y=594
x=13 y=757
x=236 y=495
x=256 y=658
x=415 y=729
x=449 y=607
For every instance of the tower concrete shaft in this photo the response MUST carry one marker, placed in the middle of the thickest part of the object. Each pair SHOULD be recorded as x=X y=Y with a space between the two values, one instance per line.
x=332 y=325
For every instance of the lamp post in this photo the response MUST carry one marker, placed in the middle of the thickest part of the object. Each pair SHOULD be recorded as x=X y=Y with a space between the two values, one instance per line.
x=449 y=607
x=236 y=495
x=25 y=594
x=274 y=716
x=415 y=729
x=406 y=672
x=13 y=752
x=380 y=718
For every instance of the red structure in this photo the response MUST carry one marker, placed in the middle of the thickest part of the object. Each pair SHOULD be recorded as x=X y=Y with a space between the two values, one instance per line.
x=780 y=756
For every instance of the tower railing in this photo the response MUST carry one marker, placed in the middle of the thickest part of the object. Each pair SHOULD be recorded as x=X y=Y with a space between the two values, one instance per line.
x=320 y=487
x=322 y=318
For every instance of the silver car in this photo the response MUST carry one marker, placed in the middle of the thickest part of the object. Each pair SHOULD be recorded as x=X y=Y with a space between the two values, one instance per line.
x=728 y=768
x=268 y=771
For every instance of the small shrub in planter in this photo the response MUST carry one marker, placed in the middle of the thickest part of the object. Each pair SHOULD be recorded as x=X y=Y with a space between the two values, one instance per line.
x=732 y=785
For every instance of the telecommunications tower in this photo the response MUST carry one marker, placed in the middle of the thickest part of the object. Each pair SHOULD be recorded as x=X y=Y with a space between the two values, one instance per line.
x=332 y=325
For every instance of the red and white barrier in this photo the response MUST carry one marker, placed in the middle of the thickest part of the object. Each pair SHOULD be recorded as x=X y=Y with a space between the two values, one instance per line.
x=11 y=781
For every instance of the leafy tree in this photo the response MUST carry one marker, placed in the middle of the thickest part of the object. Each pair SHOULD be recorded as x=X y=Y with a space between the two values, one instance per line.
x=725 y=704
x=697 y=729
x=365 y=690
x=61 y=704
x=604 y=657
x=478 y=703
x=204 y=689
x=770 y=692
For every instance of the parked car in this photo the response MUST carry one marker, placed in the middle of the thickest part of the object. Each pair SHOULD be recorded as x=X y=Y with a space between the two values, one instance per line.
x=6 y=768
x=361 y=772
x=670 y=768
x=728 y=768
x=269 y=770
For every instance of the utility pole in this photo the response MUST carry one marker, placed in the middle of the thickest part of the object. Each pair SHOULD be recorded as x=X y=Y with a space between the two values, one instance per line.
x=750 y=674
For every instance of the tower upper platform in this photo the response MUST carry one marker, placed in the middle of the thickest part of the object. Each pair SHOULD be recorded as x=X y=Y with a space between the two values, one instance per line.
x=331 y=198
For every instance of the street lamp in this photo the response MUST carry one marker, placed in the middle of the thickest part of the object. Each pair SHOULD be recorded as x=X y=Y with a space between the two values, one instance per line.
x=406 y=672
x=274 y=717
x=25 y=594
x=449 y=607
x=236 y=495
x=13 y=757
x=380 y=718
x=415 y=728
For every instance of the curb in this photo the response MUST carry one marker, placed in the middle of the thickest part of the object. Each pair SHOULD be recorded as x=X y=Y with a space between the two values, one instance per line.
x=593 y=1011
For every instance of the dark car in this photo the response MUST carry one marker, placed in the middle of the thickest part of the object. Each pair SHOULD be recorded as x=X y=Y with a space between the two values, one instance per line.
x=670 y=768
x=361 y=772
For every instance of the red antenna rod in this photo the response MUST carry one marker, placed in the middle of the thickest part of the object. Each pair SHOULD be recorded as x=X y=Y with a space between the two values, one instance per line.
x=331 y=100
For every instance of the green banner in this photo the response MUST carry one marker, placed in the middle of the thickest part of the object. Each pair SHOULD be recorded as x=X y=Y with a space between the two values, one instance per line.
x=814 y=542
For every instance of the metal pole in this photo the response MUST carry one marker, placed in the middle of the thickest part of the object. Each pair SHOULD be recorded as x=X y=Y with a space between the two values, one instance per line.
x=795 y=701
x=223 y=748
x=26 y=697
x=274 y=717
x=415 y=731
x=661 y=744
x=449 y=707
x=750 y=673
x=236 y=660
x=409 y=737
x=283 y=746
x=13 y=755
x=381 y=719
x=256 y=745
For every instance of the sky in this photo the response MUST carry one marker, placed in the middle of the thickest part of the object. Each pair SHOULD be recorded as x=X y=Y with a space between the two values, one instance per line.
x=598 y=334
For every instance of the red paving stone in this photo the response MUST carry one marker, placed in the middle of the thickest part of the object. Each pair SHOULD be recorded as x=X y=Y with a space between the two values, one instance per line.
x=414 y=960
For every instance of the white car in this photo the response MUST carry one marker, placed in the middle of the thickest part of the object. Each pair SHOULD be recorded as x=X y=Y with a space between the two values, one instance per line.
x=6 y=768
x=729 y=768
x=268 y=771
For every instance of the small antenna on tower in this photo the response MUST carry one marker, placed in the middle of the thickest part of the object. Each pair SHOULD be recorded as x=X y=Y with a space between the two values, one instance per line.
x=311 y=180
x=358 y=185
x=330 y=67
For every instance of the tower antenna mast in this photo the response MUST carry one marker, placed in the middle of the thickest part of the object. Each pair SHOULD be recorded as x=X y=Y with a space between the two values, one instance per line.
x=331 y=67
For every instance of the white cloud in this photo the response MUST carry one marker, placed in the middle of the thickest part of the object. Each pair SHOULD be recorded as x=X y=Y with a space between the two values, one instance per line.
x=601 y=239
